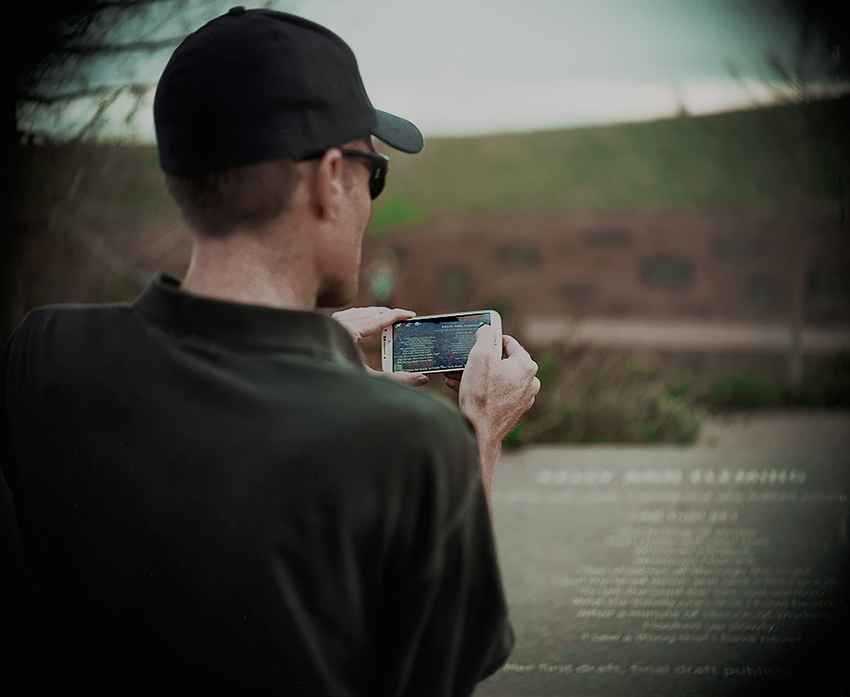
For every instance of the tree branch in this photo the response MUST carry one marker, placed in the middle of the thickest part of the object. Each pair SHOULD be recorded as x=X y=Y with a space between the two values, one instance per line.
x=128 y=3
x=96 y=120
x=136 y=88
x=88 y=49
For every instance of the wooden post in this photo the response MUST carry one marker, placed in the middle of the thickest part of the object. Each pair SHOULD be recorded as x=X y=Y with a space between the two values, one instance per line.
x=798 y=289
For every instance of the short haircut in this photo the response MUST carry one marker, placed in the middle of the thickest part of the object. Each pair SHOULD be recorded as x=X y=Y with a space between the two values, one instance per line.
x=214 y=204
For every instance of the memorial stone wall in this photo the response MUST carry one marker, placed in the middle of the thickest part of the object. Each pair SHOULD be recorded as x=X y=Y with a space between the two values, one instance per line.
x=670 y=572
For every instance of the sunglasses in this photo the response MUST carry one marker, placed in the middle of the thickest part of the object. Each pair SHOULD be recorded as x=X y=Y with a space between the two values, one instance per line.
x=381 y=164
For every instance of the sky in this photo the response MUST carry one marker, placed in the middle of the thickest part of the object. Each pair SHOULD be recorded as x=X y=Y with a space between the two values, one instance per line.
x=471 y=67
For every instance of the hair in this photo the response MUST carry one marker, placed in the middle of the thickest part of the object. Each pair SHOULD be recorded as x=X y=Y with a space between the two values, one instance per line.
x=215 y=203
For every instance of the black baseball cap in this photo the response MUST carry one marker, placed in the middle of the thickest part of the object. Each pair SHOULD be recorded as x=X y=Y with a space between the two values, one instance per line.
x=257 y=85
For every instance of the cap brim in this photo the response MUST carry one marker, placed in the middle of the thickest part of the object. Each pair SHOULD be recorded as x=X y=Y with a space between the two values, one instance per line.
x=398 y=133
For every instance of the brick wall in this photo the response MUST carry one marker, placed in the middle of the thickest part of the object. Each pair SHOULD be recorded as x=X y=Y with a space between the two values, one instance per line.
x=707 y=265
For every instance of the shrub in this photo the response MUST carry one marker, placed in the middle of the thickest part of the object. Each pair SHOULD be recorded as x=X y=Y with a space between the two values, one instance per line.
x=607 y=396
x=514 y=438
x=827 y=385
x=744 y=390
x=593 y=396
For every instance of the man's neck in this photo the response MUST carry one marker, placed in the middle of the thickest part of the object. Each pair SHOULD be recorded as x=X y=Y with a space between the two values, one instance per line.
x=249 y=268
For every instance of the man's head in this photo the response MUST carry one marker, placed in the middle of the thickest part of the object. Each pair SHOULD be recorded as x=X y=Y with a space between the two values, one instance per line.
x=258 y=103
x=258 y=85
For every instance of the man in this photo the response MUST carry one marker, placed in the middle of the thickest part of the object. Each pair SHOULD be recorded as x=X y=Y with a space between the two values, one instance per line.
x=213 y=493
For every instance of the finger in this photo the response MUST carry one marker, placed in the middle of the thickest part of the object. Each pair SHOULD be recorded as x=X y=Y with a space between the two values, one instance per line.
x=482 y=351
x=512 y=347
x=485 y=338
x=487 y=333
x=357 y=312
x=413 y=379
x=453 y=380
x=354 y=314
x=365 y=321
x=378 y=321
x=515 y=352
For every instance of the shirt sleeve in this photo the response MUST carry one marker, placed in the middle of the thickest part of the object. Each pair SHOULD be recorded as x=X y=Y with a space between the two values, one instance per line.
x=449 y=617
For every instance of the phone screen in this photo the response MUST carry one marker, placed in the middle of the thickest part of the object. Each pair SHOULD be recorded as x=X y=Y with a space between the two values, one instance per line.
x=439 y=343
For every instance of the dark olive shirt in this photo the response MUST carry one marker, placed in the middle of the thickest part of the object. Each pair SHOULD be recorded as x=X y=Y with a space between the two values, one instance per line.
x=216 y=498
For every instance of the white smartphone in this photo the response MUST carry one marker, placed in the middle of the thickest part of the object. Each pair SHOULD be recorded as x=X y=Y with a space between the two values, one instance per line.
x=435 y=343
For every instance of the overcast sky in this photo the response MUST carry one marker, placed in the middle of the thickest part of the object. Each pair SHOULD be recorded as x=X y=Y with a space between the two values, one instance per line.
x=459 y=67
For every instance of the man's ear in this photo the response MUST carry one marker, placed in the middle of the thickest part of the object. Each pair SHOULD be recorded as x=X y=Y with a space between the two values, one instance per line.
x=326 y=185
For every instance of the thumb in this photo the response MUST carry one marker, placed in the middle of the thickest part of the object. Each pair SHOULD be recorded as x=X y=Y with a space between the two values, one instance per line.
x=485 y=339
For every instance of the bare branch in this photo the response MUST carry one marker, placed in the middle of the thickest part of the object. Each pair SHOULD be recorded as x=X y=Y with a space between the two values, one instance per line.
x=732 y=69
x=90 y=49
x=779 y=69
x=128 y=3
x=95 y=120
x=98 y=53
x=137 y=104
x=135 y=88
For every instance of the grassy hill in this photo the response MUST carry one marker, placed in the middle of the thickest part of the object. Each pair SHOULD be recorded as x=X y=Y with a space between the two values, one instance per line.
x=754 y=158
x=751 y=158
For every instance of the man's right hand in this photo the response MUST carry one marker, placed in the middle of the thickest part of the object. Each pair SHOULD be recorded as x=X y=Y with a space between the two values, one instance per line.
x=494 y=393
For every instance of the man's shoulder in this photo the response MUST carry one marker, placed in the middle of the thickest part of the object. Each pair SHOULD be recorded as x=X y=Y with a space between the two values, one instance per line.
x=61 y=314
x=51 y=319
x=66 y=326
x=400 y=414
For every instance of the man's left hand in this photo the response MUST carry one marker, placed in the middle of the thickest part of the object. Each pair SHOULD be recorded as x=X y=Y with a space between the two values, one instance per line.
x=361 y=322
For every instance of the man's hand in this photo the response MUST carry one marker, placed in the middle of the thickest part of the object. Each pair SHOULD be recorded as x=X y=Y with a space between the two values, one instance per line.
x=493 y=394
x=361 y=322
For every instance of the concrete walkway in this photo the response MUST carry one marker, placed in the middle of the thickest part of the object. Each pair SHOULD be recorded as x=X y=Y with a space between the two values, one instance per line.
x=682 y=335
x=780 y=429
x=663 y=571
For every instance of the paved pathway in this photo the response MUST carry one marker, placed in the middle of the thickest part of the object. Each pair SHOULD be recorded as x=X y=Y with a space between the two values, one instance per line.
x=779 y=429
x=683 y=335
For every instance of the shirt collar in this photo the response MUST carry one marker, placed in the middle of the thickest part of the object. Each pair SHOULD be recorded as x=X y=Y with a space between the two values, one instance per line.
x=164 y=302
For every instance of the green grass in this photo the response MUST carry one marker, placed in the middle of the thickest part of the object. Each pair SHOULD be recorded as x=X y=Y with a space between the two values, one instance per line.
x=395 y=211
x=754 y=158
